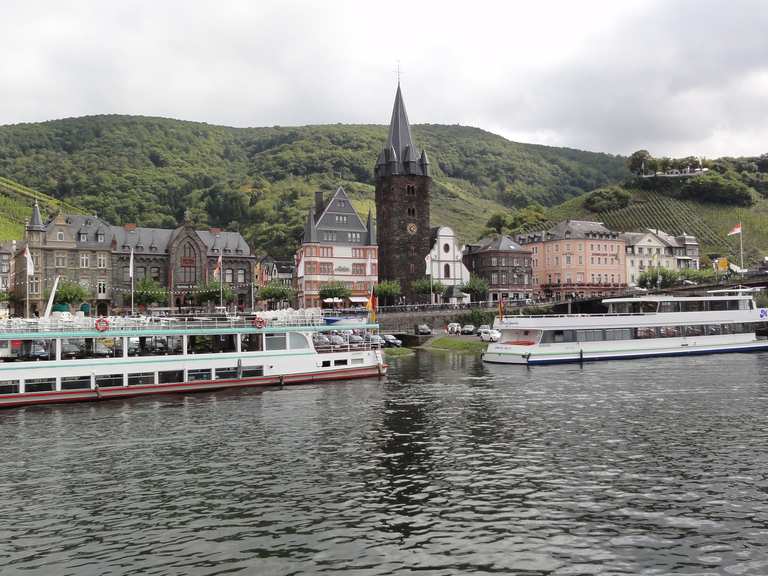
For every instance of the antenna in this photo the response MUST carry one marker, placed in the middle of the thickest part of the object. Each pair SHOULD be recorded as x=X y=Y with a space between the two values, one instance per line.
x=398 y=72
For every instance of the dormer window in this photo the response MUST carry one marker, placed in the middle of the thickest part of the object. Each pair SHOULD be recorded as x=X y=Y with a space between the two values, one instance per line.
x=82 y=237
x=140 y=247
x=60 y=236
x=227 y=250
x=100 y=237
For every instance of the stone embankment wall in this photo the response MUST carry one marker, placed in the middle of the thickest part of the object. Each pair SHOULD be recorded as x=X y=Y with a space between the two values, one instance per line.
x=405 y=322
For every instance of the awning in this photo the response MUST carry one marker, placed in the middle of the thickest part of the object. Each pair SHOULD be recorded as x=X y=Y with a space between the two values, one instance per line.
x=358 y=299
x=332 y=300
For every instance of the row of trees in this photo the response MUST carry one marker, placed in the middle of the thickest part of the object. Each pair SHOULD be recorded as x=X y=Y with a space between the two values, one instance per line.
x=388 y=291
x=666 y=278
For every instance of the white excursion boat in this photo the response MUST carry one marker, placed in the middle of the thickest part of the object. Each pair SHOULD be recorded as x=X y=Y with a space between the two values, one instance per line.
x=64 y=359
x=724 y=321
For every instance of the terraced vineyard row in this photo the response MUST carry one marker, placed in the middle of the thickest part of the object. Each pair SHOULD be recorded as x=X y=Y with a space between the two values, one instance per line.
x=653 y=210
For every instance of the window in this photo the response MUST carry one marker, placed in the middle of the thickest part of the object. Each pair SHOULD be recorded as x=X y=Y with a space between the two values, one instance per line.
x=200 y=374
x=82 y=237
x=75 y=382
x=141 y=378
x=100 y=237
x=275 y=341
x=154 y=273
x=568 y=259
x=411 y=211
x=170 y=376
x=101 y=260
x=329 y=236
x=354 y=236
x=446 y=248
x=60 y=236
x=326 y=252
x=228 y=275
x=341 y=218
x=298 y=341
x=447 y=271
x=358 y=269
x=101 y=288
x=241 y=276
x=494 y=261
x=326 y=268
x=85 y=260
x=61 y=260
x=34 y=284
x=410 y=190
x=140 y=272
x=188 y=265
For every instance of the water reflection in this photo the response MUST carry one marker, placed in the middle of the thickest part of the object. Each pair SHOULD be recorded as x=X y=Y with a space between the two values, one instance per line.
x=447 y=467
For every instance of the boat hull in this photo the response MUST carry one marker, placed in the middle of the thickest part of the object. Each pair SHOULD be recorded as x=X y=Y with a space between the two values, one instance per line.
x=531 y=356
x=112 y=392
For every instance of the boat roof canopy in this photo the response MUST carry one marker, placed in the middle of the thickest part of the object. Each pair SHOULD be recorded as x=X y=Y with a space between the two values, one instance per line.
x=662 y=298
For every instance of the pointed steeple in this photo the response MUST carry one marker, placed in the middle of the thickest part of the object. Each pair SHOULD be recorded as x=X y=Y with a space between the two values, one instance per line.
x=399 y=155
x=36 y=223
x=371 y=227
x=399 y=128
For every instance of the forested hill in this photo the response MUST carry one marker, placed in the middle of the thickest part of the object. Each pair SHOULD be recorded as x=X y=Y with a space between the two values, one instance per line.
x=261 y=180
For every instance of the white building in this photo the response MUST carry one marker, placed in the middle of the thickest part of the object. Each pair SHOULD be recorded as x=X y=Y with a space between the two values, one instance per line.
x=652 y=249
x=445 y=265
x=337 y=247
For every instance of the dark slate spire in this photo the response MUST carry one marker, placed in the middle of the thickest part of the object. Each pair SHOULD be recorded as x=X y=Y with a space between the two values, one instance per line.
x=36 y=223
x=399 y=129
x=399 y=155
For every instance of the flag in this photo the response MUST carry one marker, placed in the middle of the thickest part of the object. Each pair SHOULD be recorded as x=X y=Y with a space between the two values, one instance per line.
x=428 y=261
x=736 y=230
x=501 y=308
x=130 y=265
x=30 y=262
x=373 y=303
x=217 y=270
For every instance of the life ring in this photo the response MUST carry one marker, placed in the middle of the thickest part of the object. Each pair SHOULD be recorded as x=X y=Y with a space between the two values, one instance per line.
x=102 y=324
x=521 y=342
x=259 y=322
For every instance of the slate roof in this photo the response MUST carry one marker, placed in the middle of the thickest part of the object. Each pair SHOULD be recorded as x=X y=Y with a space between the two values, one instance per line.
x=500 y=243
x=400 y=155
x=339 y=216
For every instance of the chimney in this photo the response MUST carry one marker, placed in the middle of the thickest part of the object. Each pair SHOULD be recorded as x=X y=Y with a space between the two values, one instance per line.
x=319 y=203
x=129 y=227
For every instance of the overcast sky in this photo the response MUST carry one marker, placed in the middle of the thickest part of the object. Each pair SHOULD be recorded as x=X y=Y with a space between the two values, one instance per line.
x=677 y=78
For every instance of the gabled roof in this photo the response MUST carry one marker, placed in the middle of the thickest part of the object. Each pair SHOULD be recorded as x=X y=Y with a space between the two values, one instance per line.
x=499 y=243
x=338 y=216
x=36 y=222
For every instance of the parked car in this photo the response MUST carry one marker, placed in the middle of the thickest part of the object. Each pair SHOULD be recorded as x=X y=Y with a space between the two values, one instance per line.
x=423 y=330
x=391 y=341
x=375 y=340
x=468 y=329
x=454 y=328
x=490 y=335
x=481 y=328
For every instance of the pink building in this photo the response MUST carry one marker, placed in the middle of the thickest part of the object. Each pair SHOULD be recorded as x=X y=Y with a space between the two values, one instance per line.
x=576 y=259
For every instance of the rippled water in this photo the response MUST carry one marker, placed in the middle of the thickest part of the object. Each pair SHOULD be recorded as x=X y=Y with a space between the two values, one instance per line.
x=447 y=467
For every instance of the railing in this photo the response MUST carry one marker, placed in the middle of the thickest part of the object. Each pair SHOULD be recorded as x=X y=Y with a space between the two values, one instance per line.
x=141 y=324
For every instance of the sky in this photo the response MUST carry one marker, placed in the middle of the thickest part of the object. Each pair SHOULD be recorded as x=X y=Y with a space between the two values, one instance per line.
x=677 y=78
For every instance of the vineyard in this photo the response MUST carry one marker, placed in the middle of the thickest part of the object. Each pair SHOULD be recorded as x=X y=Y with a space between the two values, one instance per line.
x=652 y=210
x=16 y=207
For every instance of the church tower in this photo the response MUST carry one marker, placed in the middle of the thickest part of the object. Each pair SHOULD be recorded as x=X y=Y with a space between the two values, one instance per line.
x=402 y=204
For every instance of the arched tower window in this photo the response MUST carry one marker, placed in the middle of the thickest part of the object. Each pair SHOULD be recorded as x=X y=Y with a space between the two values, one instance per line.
x=188 y=264
x=447 y=271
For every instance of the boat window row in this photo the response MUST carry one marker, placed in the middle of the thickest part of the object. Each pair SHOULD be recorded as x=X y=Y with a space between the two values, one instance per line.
x=645 y=306
x=609 y=334
x=83 y=382
x=135 y=346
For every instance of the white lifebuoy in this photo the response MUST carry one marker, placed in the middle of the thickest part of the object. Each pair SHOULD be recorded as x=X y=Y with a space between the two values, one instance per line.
x=259 y=322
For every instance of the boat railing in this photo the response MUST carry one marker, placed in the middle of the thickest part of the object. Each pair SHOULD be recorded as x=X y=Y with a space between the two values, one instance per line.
x=16 y=325
x=607 y=315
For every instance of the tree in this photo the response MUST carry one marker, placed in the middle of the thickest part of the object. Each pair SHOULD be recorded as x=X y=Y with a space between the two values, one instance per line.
x=335 y=290
x=70 y=293
x=4 y=296
x=477 y=288
x=498 y=222
x=423 y=287
x=639 y=161
x=211 y=292
x=388 y=291
x=720 y=189
x=148 y=291
x=605 y=199
x=276 y=291
x=658 y=278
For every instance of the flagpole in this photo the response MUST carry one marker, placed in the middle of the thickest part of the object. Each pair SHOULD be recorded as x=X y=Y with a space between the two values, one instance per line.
x=27 y=313
x=741 y=248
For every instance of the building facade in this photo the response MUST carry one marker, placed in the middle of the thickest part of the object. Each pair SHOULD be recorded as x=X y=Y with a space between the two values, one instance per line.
x=89 y=251
x=576 y=259
x=271 y=270
x=402 y=204
x=7 y=250
x=653 y=249
x=505 y=265
x=445 y=265
x=336 y=247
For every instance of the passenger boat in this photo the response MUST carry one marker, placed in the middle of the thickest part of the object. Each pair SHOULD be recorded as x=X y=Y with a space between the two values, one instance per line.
x=647 y=326
x=65 y=360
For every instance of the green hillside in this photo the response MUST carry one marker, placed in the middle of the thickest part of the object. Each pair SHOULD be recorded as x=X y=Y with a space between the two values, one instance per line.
x=261 y=180
x=16 y=203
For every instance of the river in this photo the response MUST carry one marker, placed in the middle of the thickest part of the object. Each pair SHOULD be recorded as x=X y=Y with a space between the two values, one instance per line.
x=447 y=467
